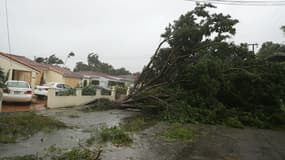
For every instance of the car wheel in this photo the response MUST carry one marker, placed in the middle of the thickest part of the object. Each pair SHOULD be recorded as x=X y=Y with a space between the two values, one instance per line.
x=28 y=103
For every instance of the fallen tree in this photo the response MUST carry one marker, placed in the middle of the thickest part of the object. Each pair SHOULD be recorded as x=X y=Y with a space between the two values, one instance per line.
x=201 y=77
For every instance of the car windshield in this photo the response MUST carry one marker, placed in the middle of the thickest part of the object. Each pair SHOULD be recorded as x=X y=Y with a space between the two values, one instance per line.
x=18 y=84
x=48 y=84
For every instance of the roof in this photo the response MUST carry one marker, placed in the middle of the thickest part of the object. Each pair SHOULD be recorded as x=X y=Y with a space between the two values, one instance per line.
x=35 y=65
x=93 y=74
x=66 y=72
x=20 y=59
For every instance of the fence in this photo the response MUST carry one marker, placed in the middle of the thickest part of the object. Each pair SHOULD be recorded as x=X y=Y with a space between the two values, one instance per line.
x=74 y=100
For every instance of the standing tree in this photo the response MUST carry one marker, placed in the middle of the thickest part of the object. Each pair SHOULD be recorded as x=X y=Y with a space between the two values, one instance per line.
x=283 y=28
x=49 y=60
x=94 y=64
x=71 y=54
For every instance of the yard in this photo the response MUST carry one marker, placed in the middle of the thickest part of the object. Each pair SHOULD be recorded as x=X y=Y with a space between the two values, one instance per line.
x=136 y=137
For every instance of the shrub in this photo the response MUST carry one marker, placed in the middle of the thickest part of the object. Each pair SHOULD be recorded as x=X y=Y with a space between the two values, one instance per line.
x=233 y=122
x=179 y=132
x=115 y=135
x=120 y=91
x=89 y=90
x=67 y=92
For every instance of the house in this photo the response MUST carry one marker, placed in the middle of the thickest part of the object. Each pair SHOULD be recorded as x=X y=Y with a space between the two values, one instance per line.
x=104 y=80
x=20 y=65
x=16 y=69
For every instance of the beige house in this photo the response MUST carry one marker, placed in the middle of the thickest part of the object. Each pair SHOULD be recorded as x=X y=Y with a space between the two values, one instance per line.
x=18 y=70
x=23 y=68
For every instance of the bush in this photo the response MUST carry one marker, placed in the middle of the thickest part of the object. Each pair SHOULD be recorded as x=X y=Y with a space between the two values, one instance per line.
x=179 y=132
x=89 y=91
x=115 y=135
x=67 y=92
x=234 y=122
x=120 y=91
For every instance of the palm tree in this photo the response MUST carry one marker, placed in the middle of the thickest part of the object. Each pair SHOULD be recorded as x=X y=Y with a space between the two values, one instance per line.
x=71 y=54
x=283 y=28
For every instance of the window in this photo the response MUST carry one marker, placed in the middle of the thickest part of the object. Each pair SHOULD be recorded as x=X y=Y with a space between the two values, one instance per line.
x=95 y=82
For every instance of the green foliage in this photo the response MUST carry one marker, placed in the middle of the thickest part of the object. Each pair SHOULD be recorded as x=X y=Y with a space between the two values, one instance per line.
x=233 y=122
x=269 y=48
x=2 y=78
x=75 y=154
x=22 y=125
x=120 y=91
x=137 y=123
x=49 y=60
x=283 y=28
x=66 y=92
x=56 y=153
x=94 y=64
x=178 y=132
x=100 y=105
x=115 y=135
x=208 y=80
x=25 y=157
x=89 y=90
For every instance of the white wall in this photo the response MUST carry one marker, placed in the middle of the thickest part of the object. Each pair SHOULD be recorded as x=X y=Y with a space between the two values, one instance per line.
x=67 y=101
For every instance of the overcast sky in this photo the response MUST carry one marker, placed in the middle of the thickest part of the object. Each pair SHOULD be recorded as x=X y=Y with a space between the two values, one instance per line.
x=124 y=33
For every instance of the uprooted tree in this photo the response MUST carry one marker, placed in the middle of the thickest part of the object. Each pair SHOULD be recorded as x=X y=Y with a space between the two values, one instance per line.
x=201 y=77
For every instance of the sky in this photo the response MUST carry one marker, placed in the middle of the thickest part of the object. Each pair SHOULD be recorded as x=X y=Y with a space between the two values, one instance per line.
x=124 y=33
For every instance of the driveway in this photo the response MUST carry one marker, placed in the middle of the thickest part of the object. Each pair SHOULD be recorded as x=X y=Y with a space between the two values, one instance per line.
x=37 y=104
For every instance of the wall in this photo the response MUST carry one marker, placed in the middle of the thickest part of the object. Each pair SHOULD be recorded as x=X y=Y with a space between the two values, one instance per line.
x=67 y=101
x=52 y=76
x=6 y=64
x=38 y=79
x=73 y=82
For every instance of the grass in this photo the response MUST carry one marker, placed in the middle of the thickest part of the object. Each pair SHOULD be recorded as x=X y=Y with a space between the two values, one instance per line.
x=75 y=153
x=25 y=157
x=138 y=123
x=116 y=135
x=178 y=132
x=73 y=116
x=25 y=124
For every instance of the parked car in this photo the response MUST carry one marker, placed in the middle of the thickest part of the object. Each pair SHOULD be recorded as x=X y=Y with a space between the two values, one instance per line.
x=42 y=90
x=17 y=91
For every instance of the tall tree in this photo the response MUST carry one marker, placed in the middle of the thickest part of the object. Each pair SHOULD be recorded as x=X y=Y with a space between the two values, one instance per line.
x=94 y=64
x=71 y=54
x=269 y=49
x=52 y=59
x=283 y=28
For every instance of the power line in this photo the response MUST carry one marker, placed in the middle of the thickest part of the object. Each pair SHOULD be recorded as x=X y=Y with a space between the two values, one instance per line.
x=242 y=3
x=7 y=25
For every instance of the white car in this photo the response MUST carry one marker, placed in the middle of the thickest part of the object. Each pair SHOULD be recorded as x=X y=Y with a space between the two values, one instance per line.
x=42 y=90
x=17 y=91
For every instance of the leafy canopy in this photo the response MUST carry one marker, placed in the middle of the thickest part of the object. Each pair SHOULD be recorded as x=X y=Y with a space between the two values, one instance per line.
x=94 y=64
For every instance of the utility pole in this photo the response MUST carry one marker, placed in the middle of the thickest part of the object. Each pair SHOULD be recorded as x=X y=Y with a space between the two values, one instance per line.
x=253 y=46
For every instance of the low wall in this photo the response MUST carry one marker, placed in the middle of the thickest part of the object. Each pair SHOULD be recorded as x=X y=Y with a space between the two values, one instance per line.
x=54 y=101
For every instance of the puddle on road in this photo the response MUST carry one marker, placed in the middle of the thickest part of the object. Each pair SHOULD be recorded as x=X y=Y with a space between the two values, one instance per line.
x=65 y=138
